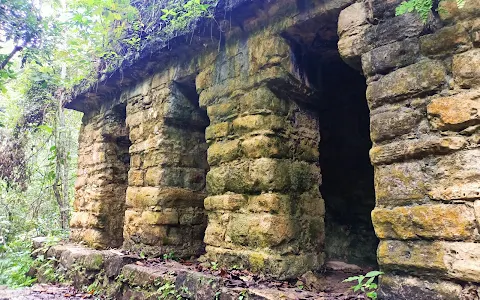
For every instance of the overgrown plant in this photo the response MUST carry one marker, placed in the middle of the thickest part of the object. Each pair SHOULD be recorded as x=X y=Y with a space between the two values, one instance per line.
x=368 y=287
x=422 y=7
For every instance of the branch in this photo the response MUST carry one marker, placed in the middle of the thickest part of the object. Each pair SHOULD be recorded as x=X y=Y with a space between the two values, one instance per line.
x=10 y=56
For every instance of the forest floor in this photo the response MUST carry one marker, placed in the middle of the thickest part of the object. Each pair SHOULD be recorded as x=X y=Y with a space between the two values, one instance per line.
x=43 y=292
x=332 y=289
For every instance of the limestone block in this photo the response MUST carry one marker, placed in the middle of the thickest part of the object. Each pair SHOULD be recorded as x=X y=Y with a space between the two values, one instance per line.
x=265 y=50
x=282 y=267
x=421 y=147
x=455 y=260
x=223 y=152
x=217 y=131
x=392 y=56
x=136 y=177
x=393 y=123
x=250 y=123
x=225 y=202
x=445 y=41
x=444 y=222
x=265 y=146
x=466 y=68
x=215 y=233
x=352 y=26
x=394 y=29
x=260 y=231
x=82 y=219
x=413 y=80
x=142 y=197
x=401 y=183
x=262 y=101
x=457 y=176
x=456 y=112
x=223 y=111
x=164 y=217
x=351 y=18
x=393 y=287
x=273 y=203
x=476 y=207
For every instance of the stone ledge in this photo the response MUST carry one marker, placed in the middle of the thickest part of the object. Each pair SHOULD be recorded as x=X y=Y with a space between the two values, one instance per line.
x=120 y=276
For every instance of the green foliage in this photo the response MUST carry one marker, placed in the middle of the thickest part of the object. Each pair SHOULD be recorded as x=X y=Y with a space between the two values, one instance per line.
x=15 y=262
x=214 y=265
x=169 y=256
x=369 y=287
x=422 y=7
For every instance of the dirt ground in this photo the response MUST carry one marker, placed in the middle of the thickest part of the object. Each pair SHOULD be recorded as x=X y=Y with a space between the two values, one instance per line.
x=44 y=292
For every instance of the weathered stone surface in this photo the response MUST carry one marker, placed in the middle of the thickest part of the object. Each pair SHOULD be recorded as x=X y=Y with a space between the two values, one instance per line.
x=457 y=260
x=413 y=80
x=444 y=222
x=457 y=176
x=445 y=41
x=394 y=29
x=466 y=68
x=393 y=123
x=352 y=26
x=407 y=149
x=401 y=183
x=456 y=112
x=406 y=288
x=392 y=56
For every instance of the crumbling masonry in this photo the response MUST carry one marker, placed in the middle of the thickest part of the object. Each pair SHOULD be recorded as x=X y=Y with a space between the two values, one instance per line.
x=218 y=147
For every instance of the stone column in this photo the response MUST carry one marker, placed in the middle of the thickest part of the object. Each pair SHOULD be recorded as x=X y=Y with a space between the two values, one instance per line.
x=103 y=163
x=264 y=208
x=166 y=182
x=423 y=93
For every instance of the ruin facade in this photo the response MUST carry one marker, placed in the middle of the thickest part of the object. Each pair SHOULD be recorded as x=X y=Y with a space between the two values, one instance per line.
x=300 y=131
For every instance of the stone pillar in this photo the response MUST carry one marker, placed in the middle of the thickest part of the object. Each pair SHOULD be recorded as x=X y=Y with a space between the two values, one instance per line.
x=424 y=97
x=103 y=163
x=166 y=182
x=264 y=208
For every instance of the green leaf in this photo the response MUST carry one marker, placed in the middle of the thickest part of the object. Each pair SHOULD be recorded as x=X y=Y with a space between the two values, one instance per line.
x=373 y=273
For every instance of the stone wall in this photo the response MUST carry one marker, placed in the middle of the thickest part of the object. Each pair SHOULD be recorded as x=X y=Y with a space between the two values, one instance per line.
x=103 y=164
x=423 y=92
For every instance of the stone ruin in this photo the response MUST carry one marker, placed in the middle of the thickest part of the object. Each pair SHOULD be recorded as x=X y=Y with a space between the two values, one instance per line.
x=268 y=142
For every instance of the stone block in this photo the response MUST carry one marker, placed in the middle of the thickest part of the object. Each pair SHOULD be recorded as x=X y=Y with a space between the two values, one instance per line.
x=220 y=152
x=224 y=111
x=393 y=287
x=225 y=202
x=351 y=18
x=413 y=80
x=457 y=176
x=432 y=222
x=401 y=183
x=454 y=260
x=81 y=219
x=407 y=149
x=135 y=177
x=447 y=40
x=273 y=203
x=466 y=68
x=217 y=131
x=164 y=217
x=251 y=123
x=262 y=101
x=394 y=29
x=260 y=231
x=141 y=197
x=389 y=57
x=382 y=9
x=265 y=146
x=394 y=123
x=456 y=112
